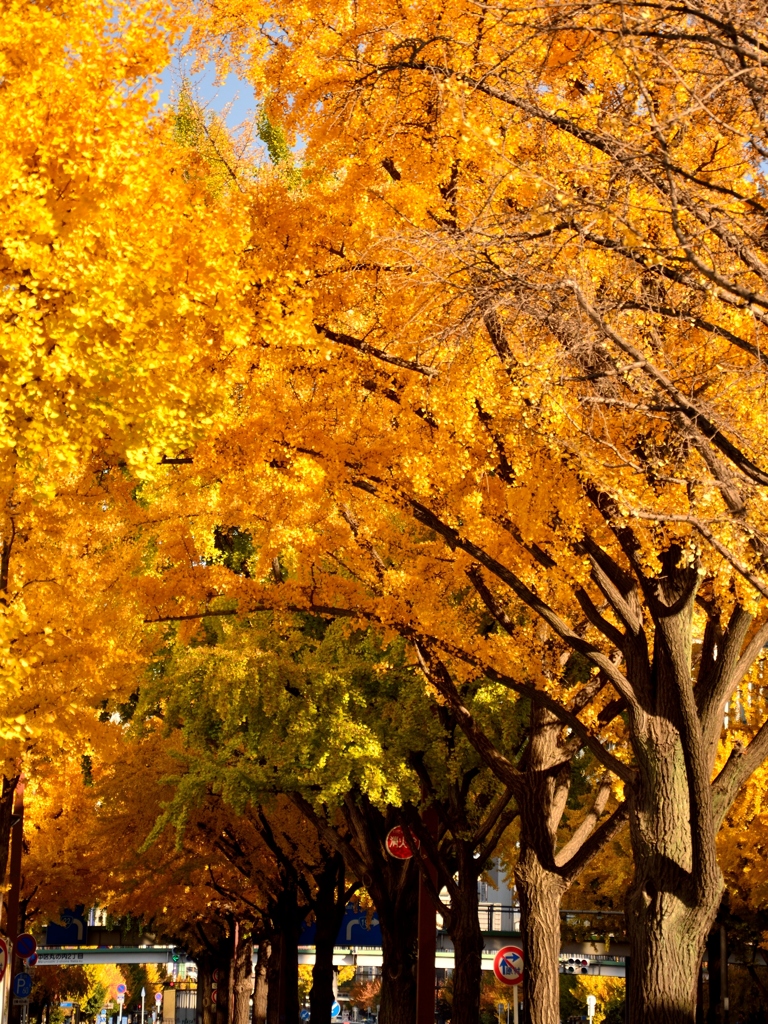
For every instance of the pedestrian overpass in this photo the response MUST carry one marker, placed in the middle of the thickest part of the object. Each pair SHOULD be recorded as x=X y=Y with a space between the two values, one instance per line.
x=359 y=945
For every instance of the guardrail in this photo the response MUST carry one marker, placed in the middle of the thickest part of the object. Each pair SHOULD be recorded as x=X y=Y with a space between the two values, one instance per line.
x=495 y=918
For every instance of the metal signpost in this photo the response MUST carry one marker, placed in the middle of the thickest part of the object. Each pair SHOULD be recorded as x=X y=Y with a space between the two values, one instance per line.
x=591 y=1005
x=508 y=968
x=143 y=994
x=21 y=988
x=120 y=1001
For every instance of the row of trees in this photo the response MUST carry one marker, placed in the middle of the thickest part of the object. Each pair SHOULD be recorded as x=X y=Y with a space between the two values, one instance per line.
x=282 y=752
x=477 y=376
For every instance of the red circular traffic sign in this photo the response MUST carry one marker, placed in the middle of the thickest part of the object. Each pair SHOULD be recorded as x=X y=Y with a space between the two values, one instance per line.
x=397 y=844
x=214 y=995
x=508 y=965
x=216 y=974
x=3 y=958
x=25 y=945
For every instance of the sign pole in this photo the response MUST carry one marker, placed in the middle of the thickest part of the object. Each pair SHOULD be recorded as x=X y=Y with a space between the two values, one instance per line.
x=143 y=993
x=427 y=937
x=516 y=1009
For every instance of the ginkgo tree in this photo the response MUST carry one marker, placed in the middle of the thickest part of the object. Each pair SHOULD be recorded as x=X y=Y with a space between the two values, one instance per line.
x=493 y=348
x=114 y=309
x=535 y=265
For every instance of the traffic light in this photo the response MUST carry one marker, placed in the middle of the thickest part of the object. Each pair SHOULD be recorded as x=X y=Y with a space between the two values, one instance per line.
x=575 y=966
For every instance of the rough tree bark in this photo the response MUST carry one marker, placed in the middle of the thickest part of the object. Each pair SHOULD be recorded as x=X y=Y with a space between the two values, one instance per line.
x=260 y=982
x=242 y=980
x=540 y=884
x=670 y=911
x=467 y=937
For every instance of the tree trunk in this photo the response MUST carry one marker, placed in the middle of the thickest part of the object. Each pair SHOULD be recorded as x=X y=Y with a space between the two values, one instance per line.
x=6 y=812
x=467 y=941
x=274 y=969
x=243 y=981
x=541 y=801
x=394 y=887
x=398 y=977
x=260 y=982
x=222 y=964
x=283 y=974
x=206 y=1008
x=329 y=911
x=321 y=994
x=670 y=910
x=540 y=892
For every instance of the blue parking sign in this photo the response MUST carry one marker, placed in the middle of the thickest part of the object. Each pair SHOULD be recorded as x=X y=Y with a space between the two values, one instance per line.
x=22 y=986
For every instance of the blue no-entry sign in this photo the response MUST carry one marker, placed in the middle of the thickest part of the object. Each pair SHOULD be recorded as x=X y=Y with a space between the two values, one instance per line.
x=22 y=986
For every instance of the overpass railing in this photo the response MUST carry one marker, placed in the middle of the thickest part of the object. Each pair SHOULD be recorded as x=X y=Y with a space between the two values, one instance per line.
x=496 y=918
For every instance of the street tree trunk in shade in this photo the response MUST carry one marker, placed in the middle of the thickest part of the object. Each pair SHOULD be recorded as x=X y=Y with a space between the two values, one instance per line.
x=283 y=972
x=243 y=979
x=222 y=965
x=205 y=1007
x=393 y=886
x=398 y=922
x=467 y=937
x=213 y=972
x=260 y=982
x=329 y=903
